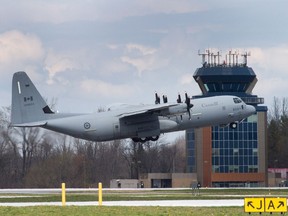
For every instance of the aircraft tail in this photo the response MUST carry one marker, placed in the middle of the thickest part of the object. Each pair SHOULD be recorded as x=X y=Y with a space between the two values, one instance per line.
x=28 y=107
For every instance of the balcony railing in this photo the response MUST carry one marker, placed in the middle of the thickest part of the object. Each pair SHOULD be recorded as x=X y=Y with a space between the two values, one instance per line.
x=253 y=100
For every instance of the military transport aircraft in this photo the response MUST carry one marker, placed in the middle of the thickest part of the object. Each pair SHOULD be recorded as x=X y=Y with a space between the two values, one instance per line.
x=139 y=122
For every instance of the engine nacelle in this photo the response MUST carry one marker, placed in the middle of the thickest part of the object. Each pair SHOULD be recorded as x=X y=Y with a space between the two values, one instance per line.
x=178 y=109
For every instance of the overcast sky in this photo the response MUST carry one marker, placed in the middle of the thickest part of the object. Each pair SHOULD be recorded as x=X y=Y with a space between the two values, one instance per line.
x=90 y=53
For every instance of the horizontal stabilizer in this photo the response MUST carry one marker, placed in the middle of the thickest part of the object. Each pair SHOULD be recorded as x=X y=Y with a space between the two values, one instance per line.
x=30 y=124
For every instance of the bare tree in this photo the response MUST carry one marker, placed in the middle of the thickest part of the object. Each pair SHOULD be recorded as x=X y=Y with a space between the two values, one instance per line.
x=278 y=134
x=34 y=157
x=9 y=151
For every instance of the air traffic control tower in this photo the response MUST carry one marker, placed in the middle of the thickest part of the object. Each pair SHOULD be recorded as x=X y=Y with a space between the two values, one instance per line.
x=222 y=156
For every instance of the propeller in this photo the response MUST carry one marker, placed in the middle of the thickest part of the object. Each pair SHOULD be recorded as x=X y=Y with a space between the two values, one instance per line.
x=188 y=103
x=179 y=99
x=165 y=99
x=157 y=99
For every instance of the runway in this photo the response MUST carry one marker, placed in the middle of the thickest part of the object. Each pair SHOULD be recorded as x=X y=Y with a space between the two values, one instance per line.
x=167 y=203
x=236 y=201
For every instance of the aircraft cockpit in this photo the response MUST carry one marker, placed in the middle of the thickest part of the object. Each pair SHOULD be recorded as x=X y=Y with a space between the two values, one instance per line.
x=237 y=100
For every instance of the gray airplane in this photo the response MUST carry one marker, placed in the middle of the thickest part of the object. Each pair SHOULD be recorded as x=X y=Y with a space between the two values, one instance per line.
x=138 y=122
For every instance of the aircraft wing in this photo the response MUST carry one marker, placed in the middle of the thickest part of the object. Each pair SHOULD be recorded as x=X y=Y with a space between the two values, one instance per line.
x=157 y=109
x=144 y=119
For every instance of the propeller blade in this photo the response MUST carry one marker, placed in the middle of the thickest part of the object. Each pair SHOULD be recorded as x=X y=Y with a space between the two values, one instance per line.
x=188 y=103
x=165 y=99
x=179 y=99
x=157 y=99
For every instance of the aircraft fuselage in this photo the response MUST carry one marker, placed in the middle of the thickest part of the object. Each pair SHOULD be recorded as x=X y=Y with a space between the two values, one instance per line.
x=139 y=122
x=103 y=126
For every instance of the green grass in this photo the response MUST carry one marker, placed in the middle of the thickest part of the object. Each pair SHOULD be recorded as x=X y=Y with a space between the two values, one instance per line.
x=136 y=195
x=119 y=211
x=150 y=195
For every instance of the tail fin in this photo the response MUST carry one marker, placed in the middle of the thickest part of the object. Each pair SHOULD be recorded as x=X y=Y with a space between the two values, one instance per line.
x=28 y=107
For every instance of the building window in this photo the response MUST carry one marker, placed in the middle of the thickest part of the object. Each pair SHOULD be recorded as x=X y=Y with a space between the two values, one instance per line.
x=191 y=153
x=235 y=150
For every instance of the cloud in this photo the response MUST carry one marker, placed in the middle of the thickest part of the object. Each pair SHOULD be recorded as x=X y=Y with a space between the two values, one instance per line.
x=56 y=63
x=270 y=60
x=105 y=89
x=141 y=64
x=186 y=79
x=86 y=10
x=270 y=88
x=143 y=58
x=17 y=47
x=171 y=6
x=269 y=65
x=142 y=50
x=49 y=11
x=113 y=67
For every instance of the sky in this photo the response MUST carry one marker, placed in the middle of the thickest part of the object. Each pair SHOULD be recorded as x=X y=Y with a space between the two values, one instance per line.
x=87 y=54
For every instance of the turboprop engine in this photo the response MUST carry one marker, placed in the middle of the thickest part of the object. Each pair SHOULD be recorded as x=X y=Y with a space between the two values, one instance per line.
x=178 y=109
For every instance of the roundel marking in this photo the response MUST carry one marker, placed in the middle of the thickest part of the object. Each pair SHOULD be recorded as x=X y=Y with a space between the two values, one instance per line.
x=87 y=125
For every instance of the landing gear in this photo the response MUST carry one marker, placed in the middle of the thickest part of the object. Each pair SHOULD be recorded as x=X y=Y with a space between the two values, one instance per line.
x=154 y=138
x=144 y=139
x=136 y=139
x=233 y=125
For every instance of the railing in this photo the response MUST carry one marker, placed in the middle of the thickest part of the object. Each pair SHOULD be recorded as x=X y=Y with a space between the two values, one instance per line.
x=253 y=100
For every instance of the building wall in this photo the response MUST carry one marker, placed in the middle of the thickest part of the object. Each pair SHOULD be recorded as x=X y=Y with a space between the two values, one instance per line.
x=226 y=157
x=178 y=180
x=232 y=157
x=207 y=153
x=238 y=177
x=277 y=177
x=199 y=152
x=263 y=146
x=124 y=183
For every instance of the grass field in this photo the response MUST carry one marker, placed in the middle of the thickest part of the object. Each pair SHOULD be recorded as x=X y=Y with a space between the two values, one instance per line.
x=136 y=195
x=119 y=211
x=126 y=195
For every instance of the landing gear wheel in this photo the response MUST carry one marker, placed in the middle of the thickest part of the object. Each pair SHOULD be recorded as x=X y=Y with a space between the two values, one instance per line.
x=142 y=140
x=233 y=125
x=135 y=139
x=154 y=138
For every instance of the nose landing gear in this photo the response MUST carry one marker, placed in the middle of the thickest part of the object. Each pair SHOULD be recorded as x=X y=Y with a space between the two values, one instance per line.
x=233 y=125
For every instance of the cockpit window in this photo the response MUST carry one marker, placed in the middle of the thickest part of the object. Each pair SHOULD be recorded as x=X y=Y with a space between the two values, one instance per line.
x=237 y=100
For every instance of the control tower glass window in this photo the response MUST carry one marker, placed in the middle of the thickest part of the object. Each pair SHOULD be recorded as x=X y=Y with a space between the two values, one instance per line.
x=235 y=150
x=225 y=87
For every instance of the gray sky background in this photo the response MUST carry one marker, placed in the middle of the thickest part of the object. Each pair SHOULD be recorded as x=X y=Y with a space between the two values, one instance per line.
x=88 y=54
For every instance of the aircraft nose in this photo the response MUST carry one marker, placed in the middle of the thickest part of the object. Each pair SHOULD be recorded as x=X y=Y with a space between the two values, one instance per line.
x=250 y=109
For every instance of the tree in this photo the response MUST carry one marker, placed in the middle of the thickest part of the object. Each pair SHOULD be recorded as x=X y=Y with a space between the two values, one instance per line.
x=10 y=157
x=278 y=134
x=35 y=157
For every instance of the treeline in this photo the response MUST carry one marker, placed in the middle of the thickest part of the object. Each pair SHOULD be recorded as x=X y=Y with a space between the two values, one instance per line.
x=34 y=157
x=278 y=134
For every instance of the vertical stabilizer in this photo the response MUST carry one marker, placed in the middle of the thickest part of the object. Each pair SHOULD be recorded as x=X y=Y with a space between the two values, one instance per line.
x=28 y=105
